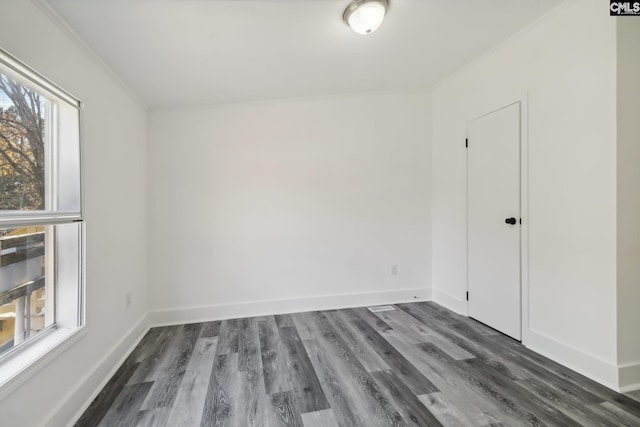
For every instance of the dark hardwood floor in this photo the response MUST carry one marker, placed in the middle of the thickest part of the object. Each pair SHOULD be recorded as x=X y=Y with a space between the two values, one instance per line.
x=419 y=364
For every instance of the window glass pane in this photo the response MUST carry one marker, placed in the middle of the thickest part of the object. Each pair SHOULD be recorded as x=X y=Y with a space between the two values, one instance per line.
x=24 y=126
x=26 y=291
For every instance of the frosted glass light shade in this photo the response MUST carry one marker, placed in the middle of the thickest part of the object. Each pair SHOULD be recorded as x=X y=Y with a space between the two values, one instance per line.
x=366 y=16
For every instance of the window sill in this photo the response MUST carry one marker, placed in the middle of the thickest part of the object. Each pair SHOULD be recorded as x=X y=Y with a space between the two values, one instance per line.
x=20 y=367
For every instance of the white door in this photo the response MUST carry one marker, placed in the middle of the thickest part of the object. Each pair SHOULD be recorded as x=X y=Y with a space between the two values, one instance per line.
x=493 y=157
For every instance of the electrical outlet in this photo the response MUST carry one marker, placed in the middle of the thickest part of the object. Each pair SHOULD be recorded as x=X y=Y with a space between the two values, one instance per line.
x=394 y=270
x=127 y=300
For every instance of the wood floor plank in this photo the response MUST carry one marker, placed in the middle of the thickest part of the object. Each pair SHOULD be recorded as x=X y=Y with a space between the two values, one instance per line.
x=124 y=410
x=284 y=321
x=617 y=415
x=623 y=402
x=561 y=376
x=408 y=373
x=444 y=410
x=507 y=394
x=324 y=418
x=265 y=413
x=153 y=354
x=248 y=344
x=167 y=351
x=228 y=337
x=219 y=404
x=164 y=389
x=104 y=400
x=417 y=365
x=369 y=358
x=572 y=405
x=454 y=387
x=373 y=320
x=210 y=329
x=305 y=330
x=469 y=339
x=371 y=404
x=449 y=317
x=343 y=400
x=272 y=353
x=304 y=380
x=412 y=409
x=152 y=418
x=250 y=402
x=446 y=317
x=147 y=345
x=521 y=361
x=417 y=332
x=480 y=404
x=189 y=403
x=245 y=402
x=287 y=412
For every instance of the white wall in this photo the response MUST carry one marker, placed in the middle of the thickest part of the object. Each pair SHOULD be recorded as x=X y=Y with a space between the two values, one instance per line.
x=628 y=202
x=290 y=200
x=114 y=144
x=300 y=199
x=566 y=62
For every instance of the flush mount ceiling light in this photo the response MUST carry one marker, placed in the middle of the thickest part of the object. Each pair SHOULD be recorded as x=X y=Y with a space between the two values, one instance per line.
x=365 y=16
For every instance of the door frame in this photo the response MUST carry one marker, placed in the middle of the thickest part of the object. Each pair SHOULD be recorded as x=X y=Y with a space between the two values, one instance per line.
x=482 y=111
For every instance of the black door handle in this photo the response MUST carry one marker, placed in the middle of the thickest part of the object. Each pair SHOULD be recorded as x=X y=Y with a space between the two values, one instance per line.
x=511 y=221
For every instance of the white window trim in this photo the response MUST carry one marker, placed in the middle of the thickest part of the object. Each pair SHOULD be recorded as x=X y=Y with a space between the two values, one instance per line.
x=38 y=79
x=18 y=367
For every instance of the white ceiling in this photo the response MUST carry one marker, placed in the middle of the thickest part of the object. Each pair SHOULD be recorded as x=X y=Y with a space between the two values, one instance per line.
x=199 y=52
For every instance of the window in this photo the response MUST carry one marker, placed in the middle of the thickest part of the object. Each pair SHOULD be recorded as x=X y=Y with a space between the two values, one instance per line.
x=41 y=227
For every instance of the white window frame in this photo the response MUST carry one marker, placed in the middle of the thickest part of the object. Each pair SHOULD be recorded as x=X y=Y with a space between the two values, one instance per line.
x=25 y=359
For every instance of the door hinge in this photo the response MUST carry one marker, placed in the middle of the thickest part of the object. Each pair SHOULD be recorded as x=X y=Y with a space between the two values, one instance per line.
x=466 y=143
x=467 y=296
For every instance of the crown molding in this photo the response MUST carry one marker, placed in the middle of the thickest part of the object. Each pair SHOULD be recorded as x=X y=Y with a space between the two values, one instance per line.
x=61 y=23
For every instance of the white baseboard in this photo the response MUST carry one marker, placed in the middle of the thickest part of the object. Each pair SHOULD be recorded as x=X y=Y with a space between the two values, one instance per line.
x=78 y=400
x=590 y=366
x=297 y=305
x=449 y=301
x=629 y=377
